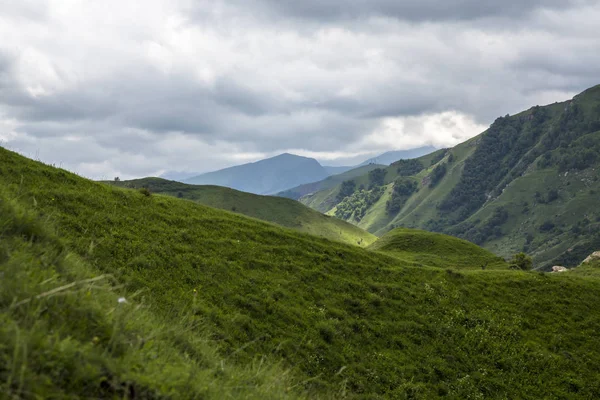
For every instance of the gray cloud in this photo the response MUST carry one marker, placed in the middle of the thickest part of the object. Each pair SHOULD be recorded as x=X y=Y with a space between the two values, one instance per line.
x=412 y=10
x=221 y=83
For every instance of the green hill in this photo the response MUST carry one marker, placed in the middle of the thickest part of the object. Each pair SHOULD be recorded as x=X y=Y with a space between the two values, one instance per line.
x=281 y=211
x=529 y=183
x=436 y=249
x=218 y=305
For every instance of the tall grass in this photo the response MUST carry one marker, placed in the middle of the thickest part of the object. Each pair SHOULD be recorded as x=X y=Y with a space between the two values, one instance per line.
x=67 y=331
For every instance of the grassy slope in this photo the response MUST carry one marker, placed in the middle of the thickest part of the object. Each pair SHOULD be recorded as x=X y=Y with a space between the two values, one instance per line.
x=281 y=211
x=347 y=320
x=64 y=334
x=299 y=191
x=436 y=249
x=422 y=206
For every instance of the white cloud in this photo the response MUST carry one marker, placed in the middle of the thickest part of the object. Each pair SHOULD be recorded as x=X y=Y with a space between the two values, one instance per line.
x=444 y=129
x=199 y=85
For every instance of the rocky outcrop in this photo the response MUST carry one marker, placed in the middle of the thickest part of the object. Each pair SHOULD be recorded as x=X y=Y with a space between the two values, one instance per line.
x=595 y=256
x=558 y=268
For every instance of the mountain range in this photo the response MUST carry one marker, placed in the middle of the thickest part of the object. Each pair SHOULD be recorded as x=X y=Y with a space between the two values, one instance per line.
x=528 y=183
x=265 y=176
x=281 y=172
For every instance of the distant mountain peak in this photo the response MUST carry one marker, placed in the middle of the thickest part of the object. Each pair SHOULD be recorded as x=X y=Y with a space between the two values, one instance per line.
x=267 y=176
x=394 y=155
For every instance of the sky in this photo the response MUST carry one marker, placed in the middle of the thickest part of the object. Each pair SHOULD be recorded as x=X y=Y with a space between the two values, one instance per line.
x=136 y=88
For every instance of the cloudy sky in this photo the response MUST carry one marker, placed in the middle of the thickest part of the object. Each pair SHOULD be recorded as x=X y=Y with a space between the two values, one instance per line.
x=133 y=88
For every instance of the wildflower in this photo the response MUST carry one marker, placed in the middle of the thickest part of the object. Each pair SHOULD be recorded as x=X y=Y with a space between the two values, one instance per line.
x=122 y=300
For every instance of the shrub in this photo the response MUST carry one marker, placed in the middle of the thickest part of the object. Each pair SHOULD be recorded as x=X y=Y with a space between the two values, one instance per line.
x=376 y=177
x=145 y=192
x=346 y=190
x=403 y=188
x=547 y=226
x=408 y=167
x=521 y=261
x=438 y=157
x=438 y=173
x=552 y=195
x=356 y=205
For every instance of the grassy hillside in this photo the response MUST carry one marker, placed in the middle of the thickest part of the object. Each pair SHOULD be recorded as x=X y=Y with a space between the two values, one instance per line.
x=529 y=183
x=64 y=333
x=436 y=249
x=375 y=218
x=346 y=322
x=281 y=211
x=327 y=183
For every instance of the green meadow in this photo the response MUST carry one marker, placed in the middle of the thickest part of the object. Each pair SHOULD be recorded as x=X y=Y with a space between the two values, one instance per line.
x=109 y=292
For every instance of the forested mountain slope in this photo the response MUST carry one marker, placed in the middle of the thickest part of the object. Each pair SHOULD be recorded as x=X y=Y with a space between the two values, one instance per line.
x=530 y=182
x=119 y=293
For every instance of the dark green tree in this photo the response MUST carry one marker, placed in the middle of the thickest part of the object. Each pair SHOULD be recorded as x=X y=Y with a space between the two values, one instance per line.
x=408 y=167
x=438 y=173
x=403 y=188
x=348 y=187
x=521 y=261
x=376 y=177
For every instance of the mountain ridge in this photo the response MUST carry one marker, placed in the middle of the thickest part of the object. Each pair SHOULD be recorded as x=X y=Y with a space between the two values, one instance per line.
x=394 y=155
x=286 y=170
x=266 y=176
x=528 y=183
